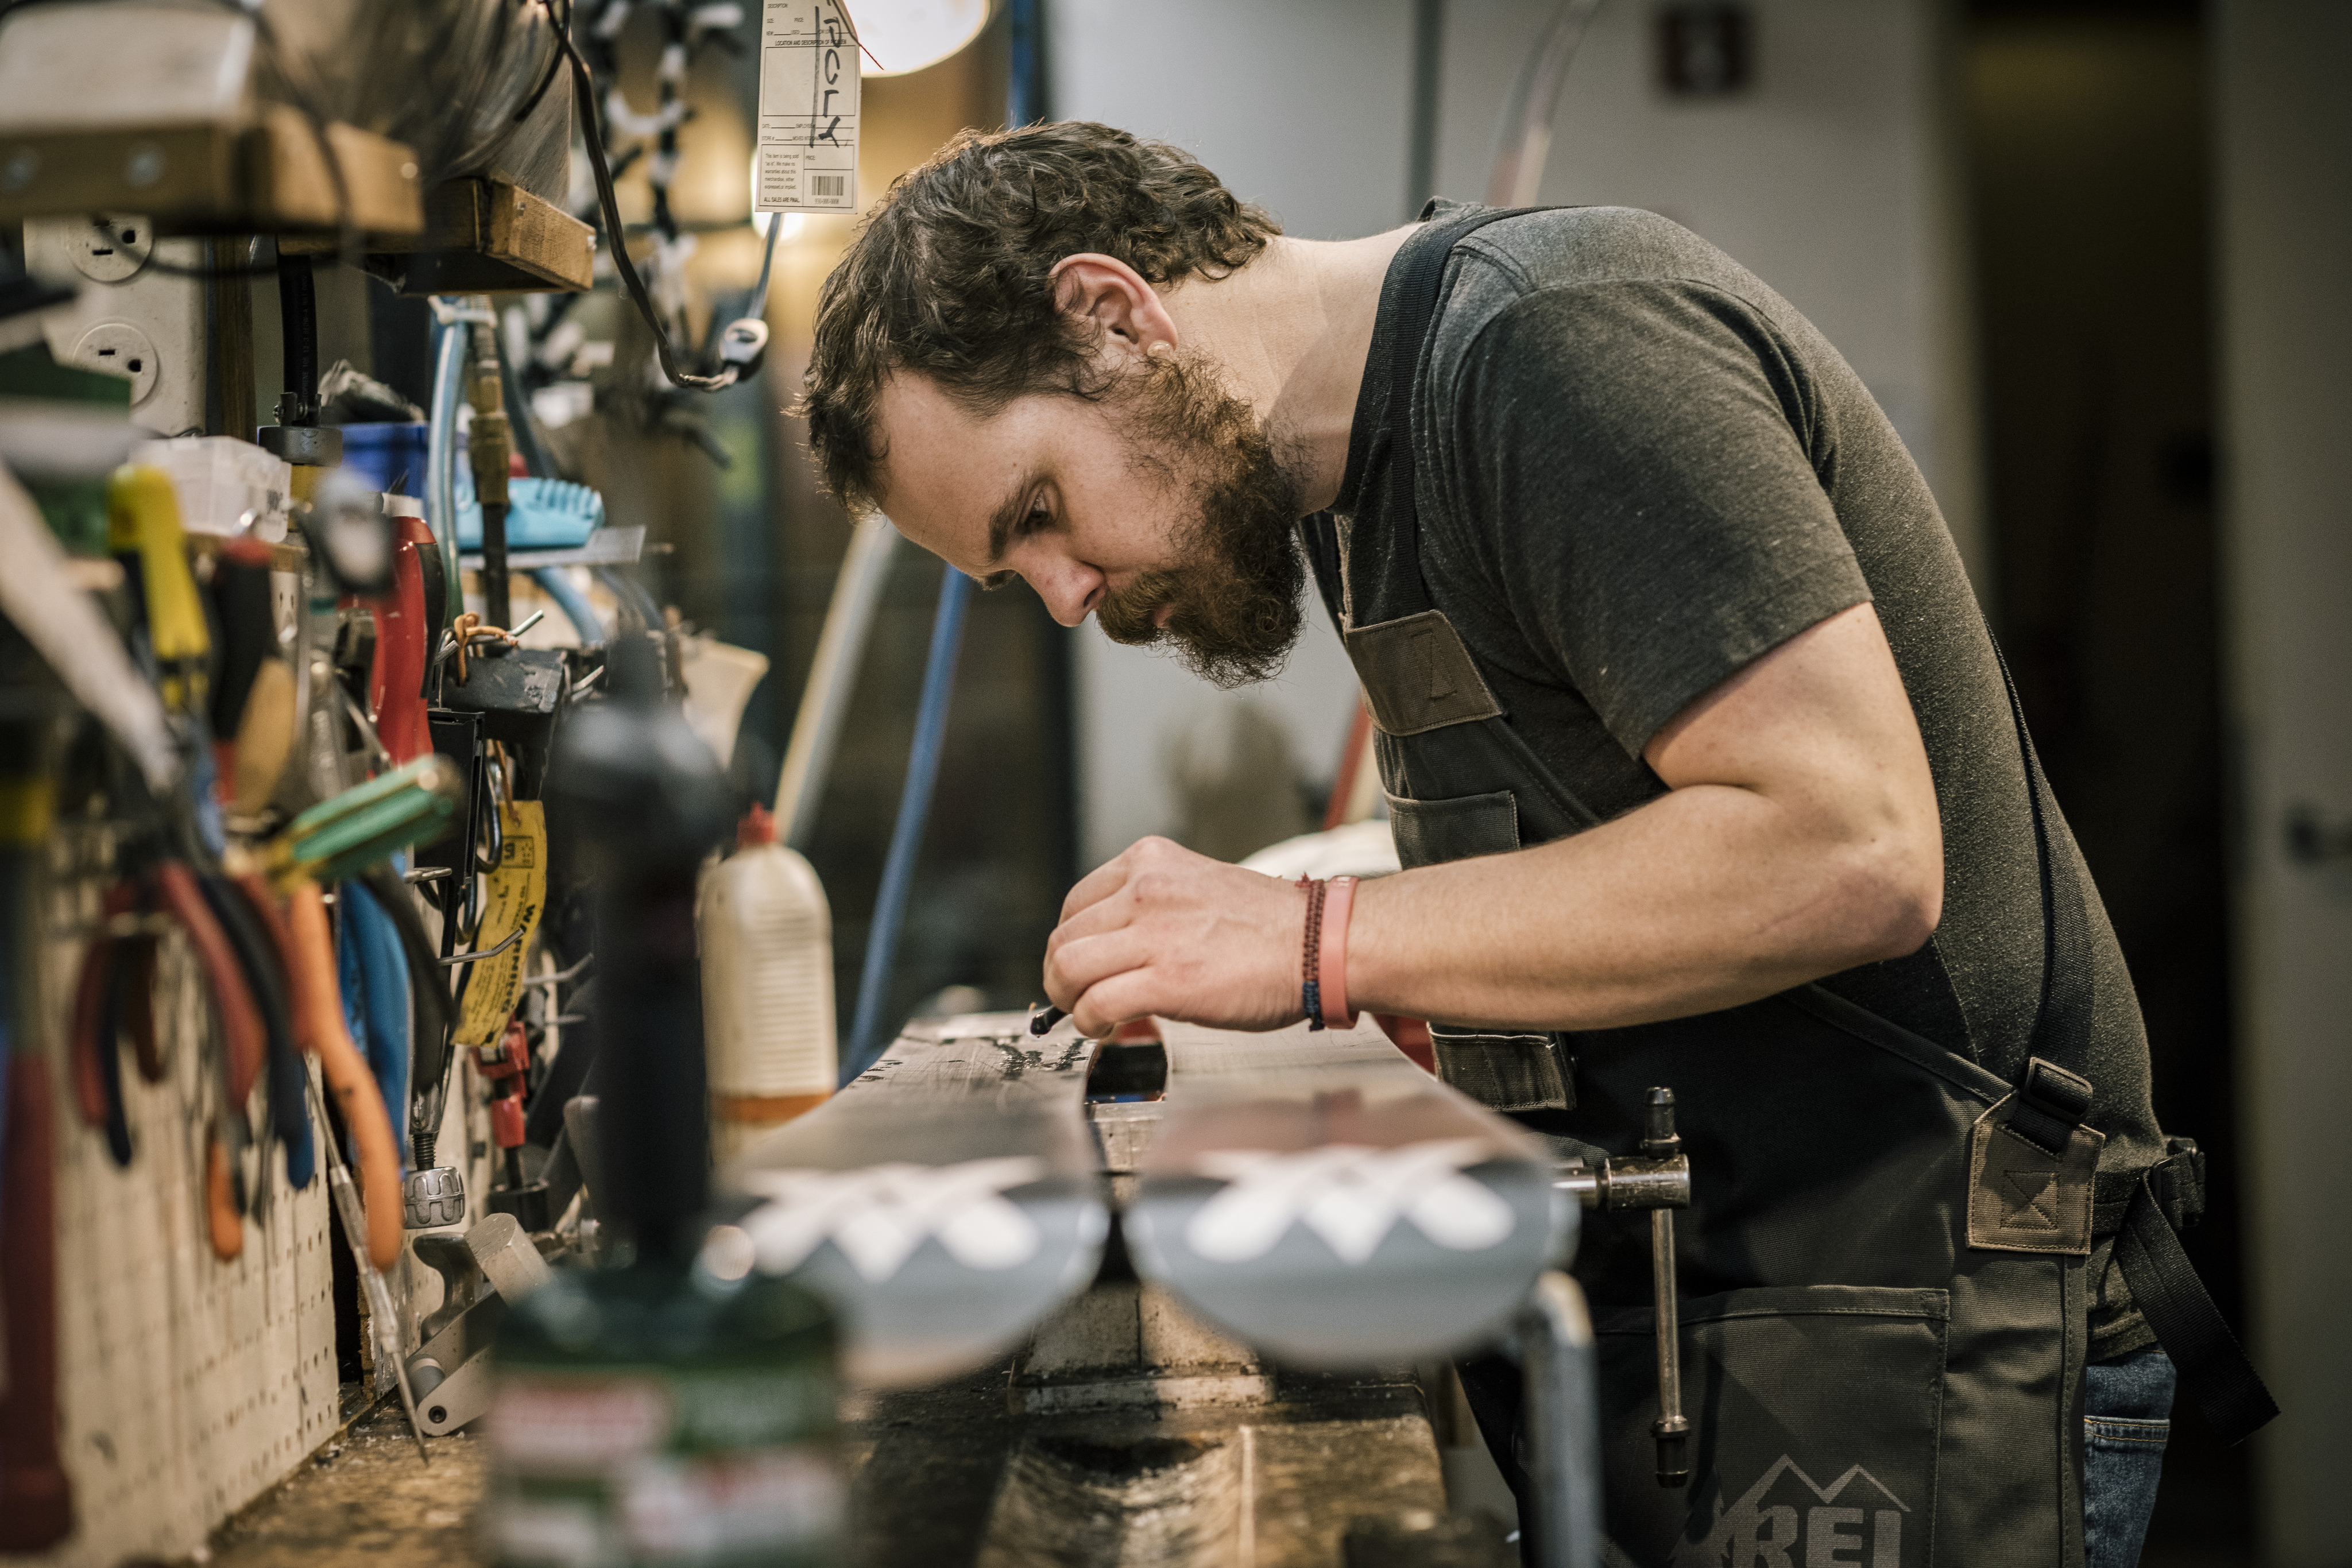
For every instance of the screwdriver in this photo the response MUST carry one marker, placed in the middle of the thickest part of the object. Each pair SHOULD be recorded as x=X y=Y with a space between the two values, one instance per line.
x=355 y=1230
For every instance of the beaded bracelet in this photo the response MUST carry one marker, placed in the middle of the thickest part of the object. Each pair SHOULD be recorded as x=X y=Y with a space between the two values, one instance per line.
x=1311 y=985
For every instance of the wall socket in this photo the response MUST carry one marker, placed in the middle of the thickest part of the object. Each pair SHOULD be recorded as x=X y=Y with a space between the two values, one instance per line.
x=132 y=320
x=119 y=348
x=108 y=248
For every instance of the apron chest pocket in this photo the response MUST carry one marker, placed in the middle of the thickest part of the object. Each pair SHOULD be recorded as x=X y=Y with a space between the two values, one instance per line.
x=1816 y=1413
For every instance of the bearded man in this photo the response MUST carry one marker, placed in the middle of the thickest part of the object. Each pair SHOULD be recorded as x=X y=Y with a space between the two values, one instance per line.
x=1702 y=766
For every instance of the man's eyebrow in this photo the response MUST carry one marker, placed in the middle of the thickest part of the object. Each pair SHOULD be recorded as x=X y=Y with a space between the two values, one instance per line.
x=1007 y=517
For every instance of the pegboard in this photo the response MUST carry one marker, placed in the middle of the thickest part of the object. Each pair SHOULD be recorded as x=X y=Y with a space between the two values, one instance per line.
x=187 y=1386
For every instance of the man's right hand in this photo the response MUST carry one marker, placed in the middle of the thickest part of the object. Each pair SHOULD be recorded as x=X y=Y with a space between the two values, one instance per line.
x=1163 y=932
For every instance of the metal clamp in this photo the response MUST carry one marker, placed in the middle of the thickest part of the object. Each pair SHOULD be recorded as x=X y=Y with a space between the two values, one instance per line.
x=1658 y=1179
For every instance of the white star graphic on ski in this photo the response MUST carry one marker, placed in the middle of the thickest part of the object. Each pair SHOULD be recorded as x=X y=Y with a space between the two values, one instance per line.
x=1351 y=1196
x=878 y=1215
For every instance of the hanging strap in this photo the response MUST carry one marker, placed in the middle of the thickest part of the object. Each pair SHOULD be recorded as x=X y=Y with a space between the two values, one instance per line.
x=2213 y=1369
x=2062 y=1016
x=1417 y=291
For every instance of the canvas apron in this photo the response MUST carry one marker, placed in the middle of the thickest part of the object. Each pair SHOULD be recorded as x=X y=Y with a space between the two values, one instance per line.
x=1884 y=1314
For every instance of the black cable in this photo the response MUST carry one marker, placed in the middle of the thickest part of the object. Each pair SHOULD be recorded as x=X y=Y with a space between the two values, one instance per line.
x=583 y=89
x=298 y=314
x=562 y=25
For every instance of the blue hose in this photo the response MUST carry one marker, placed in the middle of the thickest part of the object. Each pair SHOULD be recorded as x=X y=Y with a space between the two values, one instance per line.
x=374 y=972
x=572 y=602
x=441 y=454
x=865 y=1035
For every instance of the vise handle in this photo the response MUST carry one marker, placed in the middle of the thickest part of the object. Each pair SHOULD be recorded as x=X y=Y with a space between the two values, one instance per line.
x=1658 y=1180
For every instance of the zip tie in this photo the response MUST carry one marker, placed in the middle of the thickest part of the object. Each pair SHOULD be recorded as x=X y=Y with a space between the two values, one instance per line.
x=450 y=315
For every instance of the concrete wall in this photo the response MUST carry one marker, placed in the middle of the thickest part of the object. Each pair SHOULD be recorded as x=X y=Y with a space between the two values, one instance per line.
x=2283 y=161
x=1828 y=177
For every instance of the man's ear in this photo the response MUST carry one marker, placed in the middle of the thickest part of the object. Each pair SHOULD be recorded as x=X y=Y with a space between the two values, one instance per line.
x=1113 y=296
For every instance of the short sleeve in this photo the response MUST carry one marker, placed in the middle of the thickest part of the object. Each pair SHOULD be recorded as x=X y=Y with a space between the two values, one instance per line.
x=1635 y=463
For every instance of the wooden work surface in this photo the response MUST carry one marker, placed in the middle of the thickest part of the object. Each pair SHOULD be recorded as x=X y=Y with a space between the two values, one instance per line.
x=365 y=1499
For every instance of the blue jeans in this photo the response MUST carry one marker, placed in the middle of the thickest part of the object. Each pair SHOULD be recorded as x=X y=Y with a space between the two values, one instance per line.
x=2126 y=1416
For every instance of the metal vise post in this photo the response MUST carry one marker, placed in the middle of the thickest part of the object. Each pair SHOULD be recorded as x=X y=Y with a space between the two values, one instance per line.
x=1658 y=1179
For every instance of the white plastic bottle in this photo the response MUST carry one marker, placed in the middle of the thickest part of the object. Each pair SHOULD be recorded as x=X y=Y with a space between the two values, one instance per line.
x=766 y=937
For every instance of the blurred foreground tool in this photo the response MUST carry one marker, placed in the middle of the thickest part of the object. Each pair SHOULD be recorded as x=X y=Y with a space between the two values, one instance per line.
x=731 y=1370
x=36 y=1497
x=39 y=596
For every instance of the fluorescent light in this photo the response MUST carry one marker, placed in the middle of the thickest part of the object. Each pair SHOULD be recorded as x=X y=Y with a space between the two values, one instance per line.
x=903 y=35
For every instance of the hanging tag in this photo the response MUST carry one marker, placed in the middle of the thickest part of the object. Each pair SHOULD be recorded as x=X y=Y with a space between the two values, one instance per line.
x=514 y=894
x=808 y=108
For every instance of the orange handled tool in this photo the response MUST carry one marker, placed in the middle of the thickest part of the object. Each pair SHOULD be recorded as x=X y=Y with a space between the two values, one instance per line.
x=319 y=1015
x=177 y=893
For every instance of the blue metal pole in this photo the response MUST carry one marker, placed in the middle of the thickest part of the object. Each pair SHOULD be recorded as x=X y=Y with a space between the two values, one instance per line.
x=867 y=1033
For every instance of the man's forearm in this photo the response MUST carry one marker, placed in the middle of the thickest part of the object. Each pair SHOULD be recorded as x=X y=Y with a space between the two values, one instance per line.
x=1706 y=897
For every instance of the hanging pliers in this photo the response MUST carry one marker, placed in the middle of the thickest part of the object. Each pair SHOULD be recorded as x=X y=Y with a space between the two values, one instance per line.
x=173 y=874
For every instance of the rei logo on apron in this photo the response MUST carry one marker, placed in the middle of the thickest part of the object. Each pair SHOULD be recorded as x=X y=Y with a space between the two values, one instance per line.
x=1787 y=1520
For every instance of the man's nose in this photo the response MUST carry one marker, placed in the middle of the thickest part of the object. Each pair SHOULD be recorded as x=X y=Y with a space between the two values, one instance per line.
x=1070 y=589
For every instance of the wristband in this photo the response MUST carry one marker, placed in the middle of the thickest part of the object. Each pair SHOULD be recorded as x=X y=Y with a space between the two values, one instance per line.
x=1332 y=962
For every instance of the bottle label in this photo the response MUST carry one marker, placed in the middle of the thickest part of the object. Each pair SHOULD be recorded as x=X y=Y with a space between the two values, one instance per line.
x=630 y=1467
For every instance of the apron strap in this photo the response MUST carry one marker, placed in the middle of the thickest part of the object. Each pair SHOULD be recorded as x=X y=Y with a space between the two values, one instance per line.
x=1417 y=291
x=2214 y=1372
x=2214 y=1368
x=2062 y=1017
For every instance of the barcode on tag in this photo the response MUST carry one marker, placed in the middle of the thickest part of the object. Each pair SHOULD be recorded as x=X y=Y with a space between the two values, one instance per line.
x=809 y=68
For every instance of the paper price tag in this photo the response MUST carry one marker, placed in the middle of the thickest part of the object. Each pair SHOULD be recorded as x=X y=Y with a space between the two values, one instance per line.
x=808 y=108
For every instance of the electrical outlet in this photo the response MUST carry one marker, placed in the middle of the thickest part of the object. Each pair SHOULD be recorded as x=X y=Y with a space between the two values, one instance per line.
x=120 y=349
x=109 y=249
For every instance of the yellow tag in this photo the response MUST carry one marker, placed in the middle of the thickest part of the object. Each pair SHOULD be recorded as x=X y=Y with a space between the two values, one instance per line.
x=513 y=895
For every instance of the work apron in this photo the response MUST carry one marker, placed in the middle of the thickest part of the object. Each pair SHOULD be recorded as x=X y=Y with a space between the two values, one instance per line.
x=1884 y=1304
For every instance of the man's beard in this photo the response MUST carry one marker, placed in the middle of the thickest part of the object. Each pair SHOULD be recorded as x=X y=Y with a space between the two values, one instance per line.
x=1239 y=594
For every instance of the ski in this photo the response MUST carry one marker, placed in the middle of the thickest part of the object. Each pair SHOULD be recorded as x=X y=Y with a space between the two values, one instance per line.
x=1324 y=1199
x=945 y=1201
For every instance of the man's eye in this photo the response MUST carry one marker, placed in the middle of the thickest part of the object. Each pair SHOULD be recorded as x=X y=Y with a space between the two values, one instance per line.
x=996 y=580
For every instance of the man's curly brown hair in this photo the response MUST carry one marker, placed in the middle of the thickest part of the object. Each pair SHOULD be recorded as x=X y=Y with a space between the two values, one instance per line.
x=950 y=275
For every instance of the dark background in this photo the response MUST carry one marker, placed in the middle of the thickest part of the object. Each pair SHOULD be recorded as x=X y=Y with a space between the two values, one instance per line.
x=2086 y=140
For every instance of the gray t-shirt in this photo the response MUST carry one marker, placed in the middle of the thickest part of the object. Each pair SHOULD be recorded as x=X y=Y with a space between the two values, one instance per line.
x=1651 y=470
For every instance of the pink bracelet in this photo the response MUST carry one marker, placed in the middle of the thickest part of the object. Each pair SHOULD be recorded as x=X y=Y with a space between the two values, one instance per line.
x=1331 y=960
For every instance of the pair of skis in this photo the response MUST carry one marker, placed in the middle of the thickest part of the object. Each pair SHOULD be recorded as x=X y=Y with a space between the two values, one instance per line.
x=1316 y=1195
